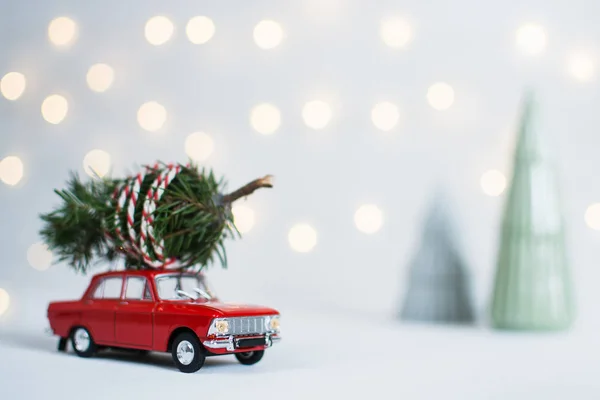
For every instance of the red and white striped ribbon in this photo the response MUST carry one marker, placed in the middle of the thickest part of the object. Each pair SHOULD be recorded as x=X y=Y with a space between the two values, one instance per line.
x=143 y=239
x=154 y=194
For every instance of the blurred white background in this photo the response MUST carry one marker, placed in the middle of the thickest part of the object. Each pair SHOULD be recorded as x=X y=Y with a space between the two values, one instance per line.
x=367 y=103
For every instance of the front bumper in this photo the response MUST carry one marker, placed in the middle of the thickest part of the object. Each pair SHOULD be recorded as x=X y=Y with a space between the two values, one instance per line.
x=232 y=343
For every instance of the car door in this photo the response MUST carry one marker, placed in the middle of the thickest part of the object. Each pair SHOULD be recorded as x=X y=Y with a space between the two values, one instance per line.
x=134 y=317
x=101 y=306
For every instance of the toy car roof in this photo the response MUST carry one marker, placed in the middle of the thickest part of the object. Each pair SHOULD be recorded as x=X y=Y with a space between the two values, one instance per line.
x=150 y=273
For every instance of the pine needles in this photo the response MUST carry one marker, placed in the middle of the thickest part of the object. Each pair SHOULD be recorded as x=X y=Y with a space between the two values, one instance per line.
x=192 y=218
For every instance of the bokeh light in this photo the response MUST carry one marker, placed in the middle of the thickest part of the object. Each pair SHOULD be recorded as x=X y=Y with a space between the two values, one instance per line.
x=100 y=77
x=531 y=39
x=265 y=118
x=395 y=32
x=97 y=163
x=581 y=66
x=243 y=218
x=316 y=114
x=11 y=170
x=440 y=96
x=592 y=216
x=302 y=238
x=268 y=34
x=385 y=115
x=493 y=183
x=39 y=256
x=200 y=29
x=199 y=146
x=12 y=85
x=158 y=30
x=151 y=116
x=368 y=218
x=62 y=31
x=55 y=108
x=4 y=301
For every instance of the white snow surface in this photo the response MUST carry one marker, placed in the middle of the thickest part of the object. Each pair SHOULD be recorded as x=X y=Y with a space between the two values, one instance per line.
x=321 y=357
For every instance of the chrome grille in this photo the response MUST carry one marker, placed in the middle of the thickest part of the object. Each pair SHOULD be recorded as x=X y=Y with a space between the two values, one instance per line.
x=247 y=325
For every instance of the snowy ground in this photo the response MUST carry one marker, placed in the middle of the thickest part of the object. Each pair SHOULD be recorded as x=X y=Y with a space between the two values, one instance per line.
x=322 y=358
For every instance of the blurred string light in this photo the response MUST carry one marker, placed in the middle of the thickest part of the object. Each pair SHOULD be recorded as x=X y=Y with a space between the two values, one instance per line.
x=55 y=108
x=243 y=218
x=12 y=85
x=199 y=146
x=200 y=29
x=11 y=170
x=302 y=238
x=395 y=32
x=531 y=39
x=265 y=118
x=592 y=216
x=158 y=30
x=440 y=96
x=368 y=218
x=39 y=256
x=62 y=31
x=385 y=115
x=100 y=77
x=581 y=66
x=4 y=301
x=268 y=34
x=316 y=114
x=493 y=182
x=97 y=163
x=151 y=116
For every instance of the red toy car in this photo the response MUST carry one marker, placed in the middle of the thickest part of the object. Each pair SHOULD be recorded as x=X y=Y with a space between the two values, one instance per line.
x=166 y=311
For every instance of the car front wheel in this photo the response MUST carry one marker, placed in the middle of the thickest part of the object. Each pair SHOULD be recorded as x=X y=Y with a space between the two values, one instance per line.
x=250 y=357
x=82 y=342
x=188 y=353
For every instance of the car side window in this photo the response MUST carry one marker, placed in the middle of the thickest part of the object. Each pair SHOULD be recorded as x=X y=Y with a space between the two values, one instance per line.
x=99 y=291
x=147 y=294
x=112 y=288
x=137 y=289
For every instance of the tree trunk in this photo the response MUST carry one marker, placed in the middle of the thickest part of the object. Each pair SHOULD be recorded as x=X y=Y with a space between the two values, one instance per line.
x=264 y=182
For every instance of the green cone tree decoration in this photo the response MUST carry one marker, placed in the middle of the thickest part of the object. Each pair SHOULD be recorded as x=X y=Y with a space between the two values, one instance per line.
x=532 y=289
x=166 y=216
x=439 y=282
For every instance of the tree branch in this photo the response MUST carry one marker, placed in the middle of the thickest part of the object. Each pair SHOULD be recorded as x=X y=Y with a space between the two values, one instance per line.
x=264 y=182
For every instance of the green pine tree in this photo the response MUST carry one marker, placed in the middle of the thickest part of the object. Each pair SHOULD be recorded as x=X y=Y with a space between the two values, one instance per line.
x=192 y=217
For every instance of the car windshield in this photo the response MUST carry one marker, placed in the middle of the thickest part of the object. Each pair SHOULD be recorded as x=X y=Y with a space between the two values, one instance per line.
x=178 y=287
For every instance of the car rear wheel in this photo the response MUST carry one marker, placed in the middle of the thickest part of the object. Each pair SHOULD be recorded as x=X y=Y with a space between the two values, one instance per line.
x=82 y=342
x=188 y=353
x=250 y=357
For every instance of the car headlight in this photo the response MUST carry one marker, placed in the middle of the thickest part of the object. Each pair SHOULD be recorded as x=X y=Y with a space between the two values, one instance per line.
x=273 y=323
x=219 y=327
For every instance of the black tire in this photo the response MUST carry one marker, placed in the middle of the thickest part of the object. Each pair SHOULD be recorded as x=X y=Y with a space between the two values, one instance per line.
x=188 y=354
x=250 y=358
x=83 y=343
x=62 y=344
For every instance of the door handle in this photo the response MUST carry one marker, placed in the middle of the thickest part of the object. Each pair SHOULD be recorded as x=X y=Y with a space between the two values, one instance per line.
x=124 y=302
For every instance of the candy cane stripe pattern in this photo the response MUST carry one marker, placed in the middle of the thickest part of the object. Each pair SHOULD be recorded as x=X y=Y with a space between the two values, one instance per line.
x=154 y=194
x=135 y=193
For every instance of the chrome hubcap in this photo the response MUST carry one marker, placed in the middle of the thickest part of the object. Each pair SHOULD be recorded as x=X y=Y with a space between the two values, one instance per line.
x=81 y=339
x=185 y=352
x=246 y=354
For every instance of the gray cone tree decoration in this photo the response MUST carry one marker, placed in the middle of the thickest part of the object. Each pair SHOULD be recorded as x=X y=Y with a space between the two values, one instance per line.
x=532 y=288
x=439 y=289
